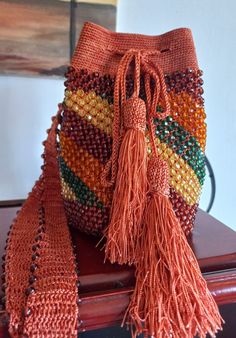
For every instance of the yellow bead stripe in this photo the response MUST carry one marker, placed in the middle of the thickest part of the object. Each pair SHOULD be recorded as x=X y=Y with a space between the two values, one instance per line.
x=85 y=166
x=67 y=192
x=92 y=108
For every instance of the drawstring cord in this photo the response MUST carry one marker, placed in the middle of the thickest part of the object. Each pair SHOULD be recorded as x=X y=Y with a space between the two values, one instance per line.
x=151 y=72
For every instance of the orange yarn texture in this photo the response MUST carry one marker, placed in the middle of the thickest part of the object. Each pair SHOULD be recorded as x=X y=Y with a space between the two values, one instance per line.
x=138 y=166
x=49 y=307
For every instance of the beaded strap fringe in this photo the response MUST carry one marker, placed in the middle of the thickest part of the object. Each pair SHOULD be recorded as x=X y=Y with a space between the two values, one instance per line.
x=40 y=231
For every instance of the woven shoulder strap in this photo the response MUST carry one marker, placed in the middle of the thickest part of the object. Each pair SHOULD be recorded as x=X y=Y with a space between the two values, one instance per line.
x=41 y=279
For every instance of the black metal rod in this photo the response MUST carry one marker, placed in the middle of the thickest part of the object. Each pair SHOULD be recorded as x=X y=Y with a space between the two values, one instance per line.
x=213 y=184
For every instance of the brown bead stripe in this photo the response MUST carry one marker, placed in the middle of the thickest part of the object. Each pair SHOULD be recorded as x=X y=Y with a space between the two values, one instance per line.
x=87 y=136
x=102 y=85
x=185 y=213
x=189 y=81
x=91 y=220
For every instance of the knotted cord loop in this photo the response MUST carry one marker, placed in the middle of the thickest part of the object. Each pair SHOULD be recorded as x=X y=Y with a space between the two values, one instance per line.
x=151 y=72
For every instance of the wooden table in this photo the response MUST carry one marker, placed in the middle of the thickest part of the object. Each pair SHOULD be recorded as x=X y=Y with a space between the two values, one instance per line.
x=105 y=288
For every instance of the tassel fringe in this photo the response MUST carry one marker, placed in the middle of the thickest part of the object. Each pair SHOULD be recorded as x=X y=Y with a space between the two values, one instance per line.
x=131 y=186
x=171 y=298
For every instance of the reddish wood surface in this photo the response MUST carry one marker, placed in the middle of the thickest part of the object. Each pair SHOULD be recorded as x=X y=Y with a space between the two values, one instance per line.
x=213 y=243
x=105 y=288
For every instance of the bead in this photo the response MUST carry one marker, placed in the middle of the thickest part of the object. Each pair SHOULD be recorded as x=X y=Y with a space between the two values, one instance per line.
x=93 y=112
x=27 y=312
x=73 y=97
x=69 y=103
x=87 y=107
x=75 y=107
x=68 y=93
x=33 y=267
x=93 y=103
x=35 y=256
x=35 y=247
x=29 y=291
x=38 y=238
x=80 y=93
x=41 y=230
x=81 y=102
x=32 y=279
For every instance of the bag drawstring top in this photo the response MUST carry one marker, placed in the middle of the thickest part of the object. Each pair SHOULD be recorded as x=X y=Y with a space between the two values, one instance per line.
x=143 y=65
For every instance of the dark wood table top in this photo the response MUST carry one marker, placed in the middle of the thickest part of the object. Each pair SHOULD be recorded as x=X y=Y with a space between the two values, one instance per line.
x=105 y=288
x=213 y=243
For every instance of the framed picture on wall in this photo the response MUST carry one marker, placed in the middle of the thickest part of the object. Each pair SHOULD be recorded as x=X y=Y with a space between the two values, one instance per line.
x=38 y=36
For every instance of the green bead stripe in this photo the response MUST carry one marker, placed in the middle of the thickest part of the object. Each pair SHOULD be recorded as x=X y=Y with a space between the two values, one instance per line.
x=182 y=143
x=82 y=192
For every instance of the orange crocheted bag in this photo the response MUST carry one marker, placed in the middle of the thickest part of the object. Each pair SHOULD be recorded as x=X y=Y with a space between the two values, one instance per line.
x=124 y=161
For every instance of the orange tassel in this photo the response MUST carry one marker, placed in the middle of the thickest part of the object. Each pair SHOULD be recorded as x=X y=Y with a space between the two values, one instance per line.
x=171 y=298
x=131 y=186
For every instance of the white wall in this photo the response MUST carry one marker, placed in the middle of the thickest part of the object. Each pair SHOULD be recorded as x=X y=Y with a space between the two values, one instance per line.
x=27 y=104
